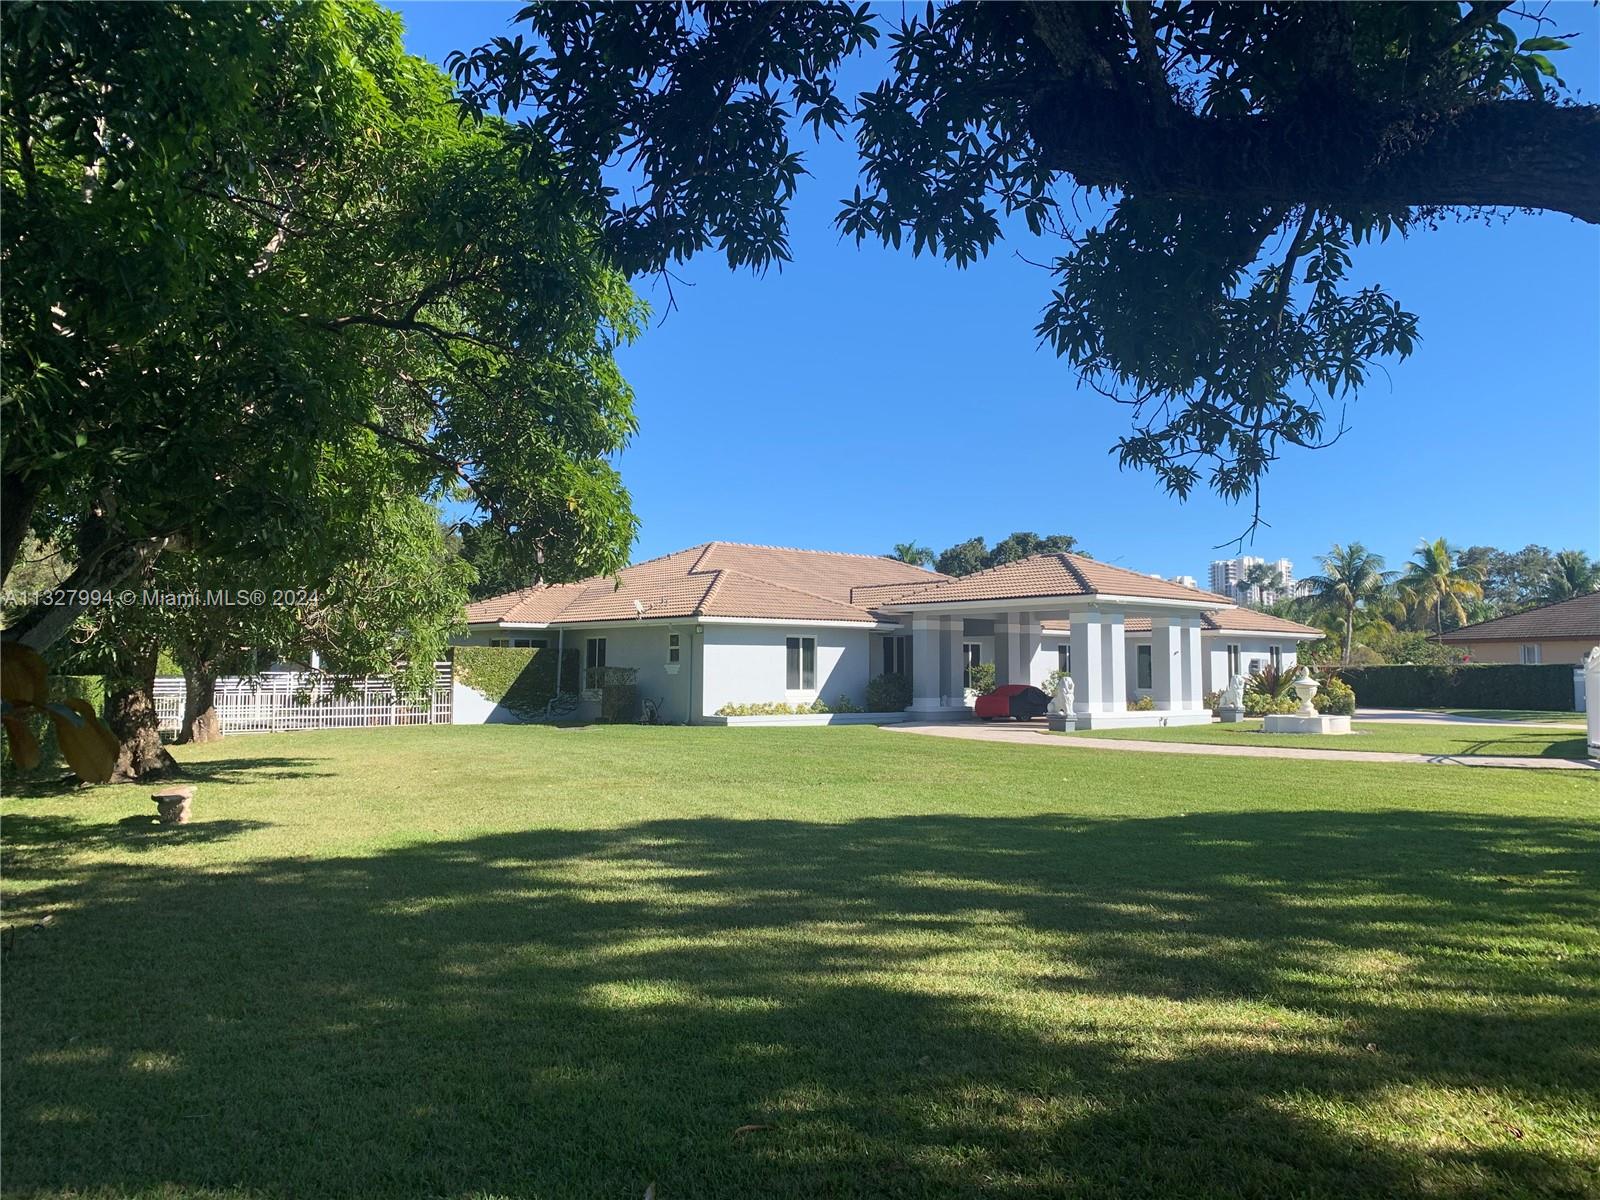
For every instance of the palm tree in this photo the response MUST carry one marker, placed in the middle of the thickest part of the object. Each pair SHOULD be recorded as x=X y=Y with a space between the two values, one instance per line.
x=1572 y=574
x=1434 y=579
x=910 y=552
x=1352 y=578
x=1257 y=581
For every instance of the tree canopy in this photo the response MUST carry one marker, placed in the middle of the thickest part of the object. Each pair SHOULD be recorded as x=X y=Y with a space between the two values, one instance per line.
x=1233 y=156
x=242 y=239
x=975 y=554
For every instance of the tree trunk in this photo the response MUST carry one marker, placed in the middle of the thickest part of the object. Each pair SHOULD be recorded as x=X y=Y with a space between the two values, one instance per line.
x=201 y=721
x=17 y=499
x=1349 y=632
x=102 y=571
x=131 y=714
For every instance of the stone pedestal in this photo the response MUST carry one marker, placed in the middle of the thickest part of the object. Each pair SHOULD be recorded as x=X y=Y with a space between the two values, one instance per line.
x=1230 y=716
x=173 y=805
x=1061 y=724
x=1296 y=723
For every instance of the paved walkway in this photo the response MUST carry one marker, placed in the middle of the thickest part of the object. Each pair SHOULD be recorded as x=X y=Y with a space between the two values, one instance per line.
x=1413 y=716
x=1034 y=735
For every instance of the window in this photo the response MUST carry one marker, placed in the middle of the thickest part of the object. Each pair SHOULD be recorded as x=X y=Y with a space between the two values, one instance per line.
x=971 y=656
x=1142 y=671
x=530 y=643
x=673 y=649
x=802 y=662
x=897 y=656
x=498 y=643
x=1531 y=654
x=1275 y=656
x=594 y=662
x=1064 y=657
x=1233 y=660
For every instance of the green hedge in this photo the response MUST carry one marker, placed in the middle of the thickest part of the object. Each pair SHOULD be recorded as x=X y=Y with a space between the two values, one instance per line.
x=888 y=693
x=62 y=687
x=1463 y=685
x=516 y=678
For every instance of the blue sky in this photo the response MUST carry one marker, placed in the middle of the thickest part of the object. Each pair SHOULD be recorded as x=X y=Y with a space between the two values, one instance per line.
x=863 y=397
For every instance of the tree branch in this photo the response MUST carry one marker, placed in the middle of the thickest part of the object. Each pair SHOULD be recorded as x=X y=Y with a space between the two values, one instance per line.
x=1508 y=153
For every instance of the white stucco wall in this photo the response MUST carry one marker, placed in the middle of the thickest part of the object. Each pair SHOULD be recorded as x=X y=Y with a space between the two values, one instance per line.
x=469 y=706
x=746 y=664
x=1215 y=651
x=643 y=647
x=1253 y=654
x=1048 y=659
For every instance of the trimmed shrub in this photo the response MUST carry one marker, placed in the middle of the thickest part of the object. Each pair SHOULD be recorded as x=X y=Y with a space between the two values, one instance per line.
x=1335 y=697
x=1261 y=704
x=1143 y=704
x=778 y=708
x=1213 y=700
x=982 y=676
x=843 y=704
x=515 y=678
x=888 y=693
x=62 y=687
x=1463 y=685
x=1269 y=691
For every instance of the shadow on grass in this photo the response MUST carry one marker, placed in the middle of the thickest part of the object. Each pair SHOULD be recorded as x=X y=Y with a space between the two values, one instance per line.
x=218 y=770
x=1532 y=746
x=911 y=1006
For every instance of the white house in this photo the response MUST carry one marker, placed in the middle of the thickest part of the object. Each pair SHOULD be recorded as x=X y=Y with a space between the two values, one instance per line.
x=725 y=623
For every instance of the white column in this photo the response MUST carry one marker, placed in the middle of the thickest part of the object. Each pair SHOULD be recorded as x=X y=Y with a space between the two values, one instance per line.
x=1191 y=665
x=1114 y=640
x=1002 y=634
x=925 y=662
x=1166 y=661
x=954 y=694
x=1087 y=662
x=1028 y=639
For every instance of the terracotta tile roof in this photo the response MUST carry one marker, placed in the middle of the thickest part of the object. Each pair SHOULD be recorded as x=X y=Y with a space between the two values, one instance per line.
x=1227 y=620
x=1575 y=618
x=1051 y=575
x=714 y=579
x=739 y=595
x=728 y=579
x=1248 y=620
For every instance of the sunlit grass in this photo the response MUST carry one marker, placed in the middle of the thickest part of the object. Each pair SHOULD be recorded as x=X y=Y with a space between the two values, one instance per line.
x=531 y=963
x=1394 y=736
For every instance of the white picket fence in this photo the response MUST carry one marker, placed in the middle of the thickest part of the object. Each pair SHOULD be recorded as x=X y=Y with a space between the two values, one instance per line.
x=279 y=702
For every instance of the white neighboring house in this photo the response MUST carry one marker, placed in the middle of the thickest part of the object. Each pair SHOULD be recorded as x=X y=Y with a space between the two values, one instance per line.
x=728 y=623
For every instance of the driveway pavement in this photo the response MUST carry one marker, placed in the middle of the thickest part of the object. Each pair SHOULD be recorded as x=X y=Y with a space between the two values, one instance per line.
x=1038 y=735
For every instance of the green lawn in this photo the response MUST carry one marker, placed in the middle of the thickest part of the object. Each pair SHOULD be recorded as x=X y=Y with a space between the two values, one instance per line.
x=513 y=962
x=1465 y=740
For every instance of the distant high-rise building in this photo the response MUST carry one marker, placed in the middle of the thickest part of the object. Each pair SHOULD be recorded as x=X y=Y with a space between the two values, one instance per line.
x=1228 y=573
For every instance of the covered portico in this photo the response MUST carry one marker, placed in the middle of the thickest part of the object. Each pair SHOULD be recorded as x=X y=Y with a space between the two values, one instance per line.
x=1014 y=602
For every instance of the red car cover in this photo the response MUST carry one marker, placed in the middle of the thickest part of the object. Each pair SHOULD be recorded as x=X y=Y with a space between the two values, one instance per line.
x=1018 y=700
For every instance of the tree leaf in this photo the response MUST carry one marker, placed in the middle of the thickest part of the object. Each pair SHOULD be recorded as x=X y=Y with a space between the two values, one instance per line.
x=88 y=746
x=24 y=746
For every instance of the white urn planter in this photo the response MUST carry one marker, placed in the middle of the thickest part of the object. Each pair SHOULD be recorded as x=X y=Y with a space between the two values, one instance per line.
x=1305 y=719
